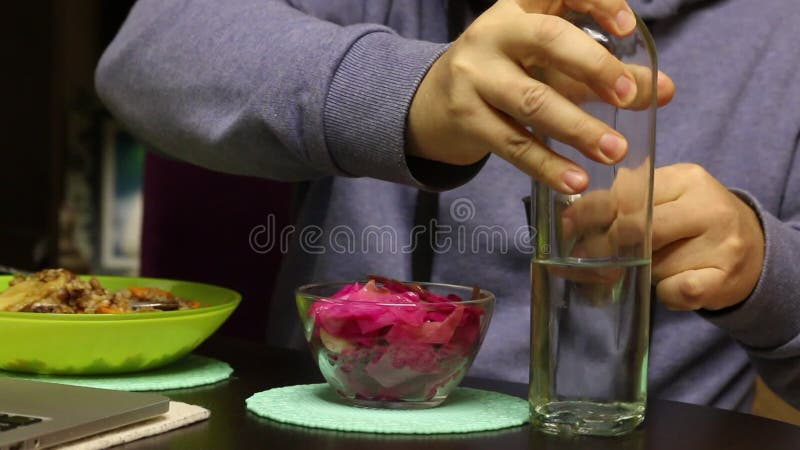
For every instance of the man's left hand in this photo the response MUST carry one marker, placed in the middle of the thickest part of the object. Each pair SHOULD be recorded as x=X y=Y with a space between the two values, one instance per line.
x=708 y=245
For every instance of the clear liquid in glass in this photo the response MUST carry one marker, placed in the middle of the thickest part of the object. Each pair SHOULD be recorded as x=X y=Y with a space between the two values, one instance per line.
x=589 y=344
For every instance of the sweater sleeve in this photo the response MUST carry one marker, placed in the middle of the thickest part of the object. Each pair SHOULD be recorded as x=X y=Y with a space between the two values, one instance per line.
x=261 y=88
x=767 y=323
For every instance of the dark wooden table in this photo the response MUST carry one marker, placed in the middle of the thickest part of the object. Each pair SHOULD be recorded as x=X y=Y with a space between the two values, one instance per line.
x=669 y=425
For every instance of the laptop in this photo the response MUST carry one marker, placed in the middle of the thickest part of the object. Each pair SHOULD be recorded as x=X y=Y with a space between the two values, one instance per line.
x=36 y=414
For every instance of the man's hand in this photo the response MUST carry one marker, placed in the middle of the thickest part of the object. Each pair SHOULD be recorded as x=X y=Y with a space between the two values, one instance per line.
x=606 y=224
x=480 y=95
x=708 y=245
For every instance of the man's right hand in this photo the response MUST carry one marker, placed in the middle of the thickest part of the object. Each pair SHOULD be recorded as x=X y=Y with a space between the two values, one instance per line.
x=481 y=94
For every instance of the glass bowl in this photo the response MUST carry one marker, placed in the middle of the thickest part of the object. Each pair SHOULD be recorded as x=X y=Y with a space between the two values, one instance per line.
x=385 y=350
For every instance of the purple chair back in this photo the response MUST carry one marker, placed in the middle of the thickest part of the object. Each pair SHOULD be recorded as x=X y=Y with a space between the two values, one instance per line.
x=197 y=225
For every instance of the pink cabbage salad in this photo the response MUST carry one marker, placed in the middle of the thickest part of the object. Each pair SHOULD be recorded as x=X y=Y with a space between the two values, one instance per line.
x=393 y=342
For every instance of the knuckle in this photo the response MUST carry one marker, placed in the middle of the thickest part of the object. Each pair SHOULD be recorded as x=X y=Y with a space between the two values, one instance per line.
x=457 y=109
x=692 y=291
x=581 y=129
x=666 y=296
x=578 y=5
x=474 y=33
x=550 y=29
x=693 y=171
x=635 y=228
x=461 y=67
x=485 y=26
x=691 y=288
x=517 y=147
x=602 y=60
x=463 y=112
x=534 y=100
x=456 y=104
x=680 y=295
x=722 y=215
x=735 y=244
x=544 y=167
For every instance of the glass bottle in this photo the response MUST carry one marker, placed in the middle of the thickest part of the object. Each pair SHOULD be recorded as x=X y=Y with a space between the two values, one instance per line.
x=590 y=274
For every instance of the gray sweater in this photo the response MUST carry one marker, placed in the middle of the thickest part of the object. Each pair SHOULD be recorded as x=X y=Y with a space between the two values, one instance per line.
x=318 y=90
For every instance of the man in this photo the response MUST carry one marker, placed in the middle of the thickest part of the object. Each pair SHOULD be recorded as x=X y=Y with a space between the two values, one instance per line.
x=329 y=90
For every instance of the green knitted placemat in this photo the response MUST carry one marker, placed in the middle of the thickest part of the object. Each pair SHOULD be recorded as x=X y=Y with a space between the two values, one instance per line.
x=317 y=406
x=191 y=371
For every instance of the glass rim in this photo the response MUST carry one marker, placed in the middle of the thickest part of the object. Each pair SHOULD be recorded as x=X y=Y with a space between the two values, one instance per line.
x=486 y=295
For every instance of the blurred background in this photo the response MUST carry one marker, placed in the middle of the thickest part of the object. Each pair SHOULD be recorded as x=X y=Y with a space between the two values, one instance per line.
x=79 y=190
x=58 y=140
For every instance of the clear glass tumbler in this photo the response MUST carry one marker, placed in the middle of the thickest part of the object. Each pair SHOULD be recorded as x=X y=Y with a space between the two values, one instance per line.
x=590 y=274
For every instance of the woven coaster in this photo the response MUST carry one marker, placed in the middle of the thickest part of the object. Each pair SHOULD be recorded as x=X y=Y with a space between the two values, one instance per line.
x=191 y=371
x=317 y=406
x=179 y=415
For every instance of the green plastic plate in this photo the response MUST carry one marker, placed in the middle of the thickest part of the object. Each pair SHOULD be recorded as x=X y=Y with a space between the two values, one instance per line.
x=91 y=344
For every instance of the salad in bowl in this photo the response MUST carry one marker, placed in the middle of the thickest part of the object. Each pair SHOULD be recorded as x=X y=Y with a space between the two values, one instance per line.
x=390 y=344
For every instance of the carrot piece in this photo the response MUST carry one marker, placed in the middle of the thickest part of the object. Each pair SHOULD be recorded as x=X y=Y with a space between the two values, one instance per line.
x=148 y=292
x=194 y=304
x=108 y=310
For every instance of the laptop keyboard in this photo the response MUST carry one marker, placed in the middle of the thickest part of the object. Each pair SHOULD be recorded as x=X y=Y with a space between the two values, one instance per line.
x=9 y=422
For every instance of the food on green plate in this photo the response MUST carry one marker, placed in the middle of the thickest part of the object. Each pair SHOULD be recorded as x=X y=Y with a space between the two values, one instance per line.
x=61 y=291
